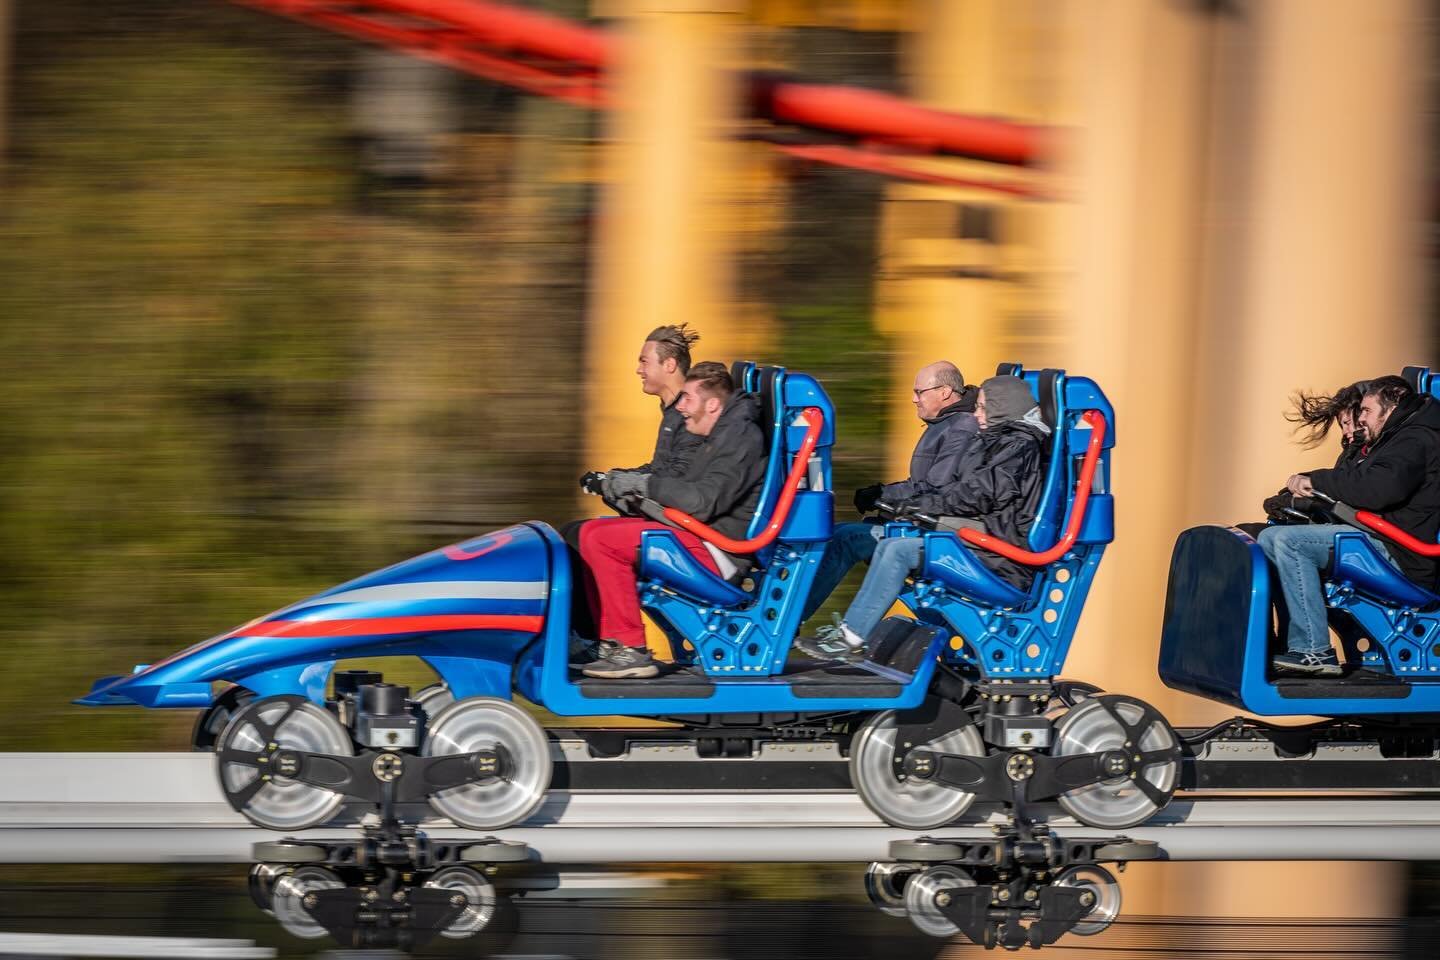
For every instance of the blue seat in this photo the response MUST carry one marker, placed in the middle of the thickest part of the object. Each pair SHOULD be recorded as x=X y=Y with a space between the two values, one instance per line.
x=1359 y=566
x=711 y=621
x=664 y=560
x=950 y=562
x=998 y=629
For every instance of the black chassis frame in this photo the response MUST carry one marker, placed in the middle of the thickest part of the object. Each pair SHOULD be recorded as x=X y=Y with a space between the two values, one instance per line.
x=1014 y=902
x=382 y=777
x=1020 y=776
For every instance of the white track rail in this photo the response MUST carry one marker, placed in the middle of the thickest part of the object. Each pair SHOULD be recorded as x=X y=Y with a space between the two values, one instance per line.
x=167 y=808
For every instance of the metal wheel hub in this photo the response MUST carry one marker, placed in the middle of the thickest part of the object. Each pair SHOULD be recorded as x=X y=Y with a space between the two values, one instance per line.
x=290 y=895
x=914 y=803
x=885 y=885
x=257 y=735
x=921 y=898
x=480 y=900
x=1141 y=755
x=1103 y=887
x=499 y=726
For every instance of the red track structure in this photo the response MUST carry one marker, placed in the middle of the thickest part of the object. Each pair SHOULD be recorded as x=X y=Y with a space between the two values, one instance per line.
x=552 y=57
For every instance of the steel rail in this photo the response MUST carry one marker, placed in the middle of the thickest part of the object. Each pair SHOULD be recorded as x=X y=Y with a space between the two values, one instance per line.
x=167 y=807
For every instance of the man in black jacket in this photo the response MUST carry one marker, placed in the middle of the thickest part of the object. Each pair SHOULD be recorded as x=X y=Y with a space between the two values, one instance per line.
x=947 y=408
x=1398 y=477
x=998 y=491
x=720 y=487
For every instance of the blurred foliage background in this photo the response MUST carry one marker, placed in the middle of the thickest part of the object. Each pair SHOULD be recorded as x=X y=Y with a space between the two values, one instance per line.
x=244 y=361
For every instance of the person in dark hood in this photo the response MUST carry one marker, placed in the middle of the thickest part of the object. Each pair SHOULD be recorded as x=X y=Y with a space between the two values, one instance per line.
x=947 y=408
x=997 y=491
x=1397 y=475
x=720 y=487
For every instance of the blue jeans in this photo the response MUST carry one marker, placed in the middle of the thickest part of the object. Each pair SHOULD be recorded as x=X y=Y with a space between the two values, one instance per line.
x=850 y=543
x=893 y=561
x=1299 y=553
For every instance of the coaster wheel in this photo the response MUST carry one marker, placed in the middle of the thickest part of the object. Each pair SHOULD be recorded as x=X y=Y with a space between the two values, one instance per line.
x=288 y=899
x=486 y=723
x=1106 y=890
x=243 y=751
x=1112 y=722
x=920 y=902
x=213 y=720
x=898 y=800
x=433 y=699
x=885 y=885
x=263 y=877
x=1068 y=694
x=480 y=900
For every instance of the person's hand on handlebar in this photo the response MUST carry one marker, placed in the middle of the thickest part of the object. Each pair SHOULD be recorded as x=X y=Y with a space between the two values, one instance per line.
x=620 y=484
x=868 y=498
x=1299 y=485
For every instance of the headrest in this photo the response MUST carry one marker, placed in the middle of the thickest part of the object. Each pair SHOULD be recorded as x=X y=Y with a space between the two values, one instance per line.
x=765 y=387
x=738 y=370
x=1049 y=408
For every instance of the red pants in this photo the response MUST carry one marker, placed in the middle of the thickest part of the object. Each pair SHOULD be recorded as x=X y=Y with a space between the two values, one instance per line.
x=610 y=548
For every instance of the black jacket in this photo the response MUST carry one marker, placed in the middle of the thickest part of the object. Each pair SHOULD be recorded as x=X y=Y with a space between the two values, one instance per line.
x=936 y=460
x=999 y=483
x=675 y=446
x=721 y=485
x=1398 y=478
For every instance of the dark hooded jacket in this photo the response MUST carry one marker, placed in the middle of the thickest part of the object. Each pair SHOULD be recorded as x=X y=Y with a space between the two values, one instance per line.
x=1398 y=477
x=675 y=446
x=721 y=484
x=936 y=459
x=999 y=483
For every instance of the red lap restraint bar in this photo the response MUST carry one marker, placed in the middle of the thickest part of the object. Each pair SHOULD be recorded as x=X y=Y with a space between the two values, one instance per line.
x=816 y=419
x=1387 y=529
x=1096 y=419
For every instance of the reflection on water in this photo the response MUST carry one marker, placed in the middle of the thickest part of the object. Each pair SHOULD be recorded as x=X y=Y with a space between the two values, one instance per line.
x=684 y=917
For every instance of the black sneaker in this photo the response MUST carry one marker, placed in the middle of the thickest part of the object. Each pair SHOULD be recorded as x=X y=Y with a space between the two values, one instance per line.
x=584 y=652
x=1322 y=664
x=833 y=643
x=622 y=663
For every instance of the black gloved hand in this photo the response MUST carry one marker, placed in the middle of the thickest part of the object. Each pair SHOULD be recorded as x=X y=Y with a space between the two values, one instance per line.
x=591 y=482
x=1280 y=507
x=626 y=483
x=867 y=497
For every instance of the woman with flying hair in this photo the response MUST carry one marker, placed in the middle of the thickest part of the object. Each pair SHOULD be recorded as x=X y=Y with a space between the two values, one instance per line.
x=1315 y=414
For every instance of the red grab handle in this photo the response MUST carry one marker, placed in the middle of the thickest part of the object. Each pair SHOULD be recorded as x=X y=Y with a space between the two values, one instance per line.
x=816 y=419
x=1387 y=529
x=1096 y=419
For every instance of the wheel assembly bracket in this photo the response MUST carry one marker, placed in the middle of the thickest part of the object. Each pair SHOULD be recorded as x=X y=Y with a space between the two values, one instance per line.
x=362 y=917
x=381 y=897
x=1017 y=890
x=368 y=775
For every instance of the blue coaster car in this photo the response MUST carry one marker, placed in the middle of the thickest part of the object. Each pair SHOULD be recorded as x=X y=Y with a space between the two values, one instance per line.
x=930 y=723
x=1220 y=633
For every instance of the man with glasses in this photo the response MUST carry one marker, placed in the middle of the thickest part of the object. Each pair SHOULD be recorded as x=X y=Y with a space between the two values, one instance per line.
x=947 y=408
